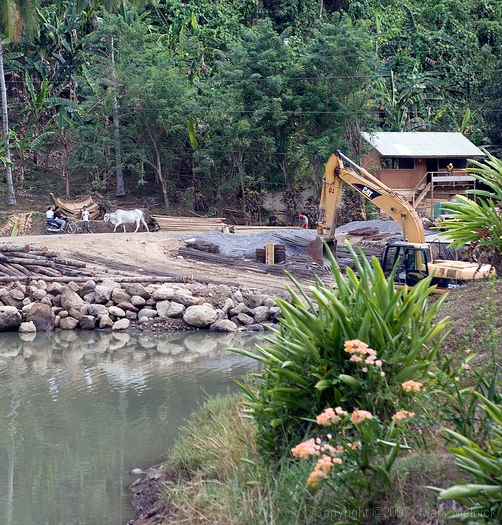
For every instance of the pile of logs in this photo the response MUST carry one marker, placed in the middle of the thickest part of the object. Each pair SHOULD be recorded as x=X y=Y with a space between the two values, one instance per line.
x=23 y=260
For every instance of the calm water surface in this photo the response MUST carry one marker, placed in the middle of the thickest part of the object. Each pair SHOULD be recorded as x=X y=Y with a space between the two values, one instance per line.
x=79 y=411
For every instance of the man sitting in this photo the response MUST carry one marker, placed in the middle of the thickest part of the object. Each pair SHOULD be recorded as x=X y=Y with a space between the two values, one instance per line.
x=59 y=219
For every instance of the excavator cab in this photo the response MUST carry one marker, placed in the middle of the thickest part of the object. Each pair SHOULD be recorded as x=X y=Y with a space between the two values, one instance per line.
x=411 y=261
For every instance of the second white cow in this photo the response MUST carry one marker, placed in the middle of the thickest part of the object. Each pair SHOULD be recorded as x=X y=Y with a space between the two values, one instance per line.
x=126 y=217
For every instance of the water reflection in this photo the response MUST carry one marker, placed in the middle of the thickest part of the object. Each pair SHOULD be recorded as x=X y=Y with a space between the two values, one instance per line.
x=80 y=410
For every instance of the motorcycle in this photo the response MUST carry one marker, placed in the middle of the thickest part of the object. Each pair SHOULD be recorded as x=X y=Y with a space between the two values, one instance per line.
x=52 y=227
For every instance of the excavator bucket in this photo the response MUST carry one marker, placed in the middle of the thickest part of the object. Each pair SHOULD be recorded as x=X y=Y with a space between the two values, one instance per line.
x=316 y=251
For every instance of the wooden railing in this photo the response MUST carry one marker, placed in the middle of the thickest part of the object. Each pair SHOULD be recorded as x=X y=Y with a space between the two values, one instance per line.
x=438 y=178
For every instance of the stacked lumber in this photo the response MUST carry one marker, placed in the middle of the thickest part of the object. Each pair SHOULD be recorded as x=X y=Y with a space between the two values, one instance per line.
x=171 y=223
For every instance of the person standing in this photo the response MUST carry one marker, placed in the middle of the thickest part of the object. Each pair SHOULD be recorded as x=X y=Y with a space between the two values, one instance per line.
x=449 y=172
x=304 y=221
x=85 y=219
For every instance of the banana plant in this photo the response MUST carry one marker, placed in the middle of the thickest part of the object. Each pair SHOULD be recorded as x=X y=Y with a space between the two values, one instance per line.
x=30 y=142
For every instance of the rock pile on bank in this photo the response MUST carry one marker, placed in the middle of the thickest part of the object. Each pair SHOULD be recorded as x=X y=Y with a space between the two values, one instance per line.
x=43 y=306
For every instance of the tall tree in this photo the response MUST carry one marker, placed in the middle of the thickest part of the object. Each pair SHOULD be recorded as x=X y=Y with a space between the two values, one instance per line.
x=15 y=15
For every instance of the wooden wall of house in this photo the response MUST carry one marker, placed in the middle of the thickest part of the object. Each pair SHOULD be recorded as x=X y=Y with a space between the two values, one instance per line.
x=395 y=178
x=371 y=162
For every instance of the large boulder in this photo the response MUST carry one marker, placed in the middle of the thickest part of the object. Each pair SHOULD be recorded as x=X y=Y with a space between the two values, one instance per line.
x=42 y=316
x=10 y=318
x=27 y=328
x=163 y=293
x=68 y=323
x=186 y=300
x=223 y=325
x=70 y=299
x=260 y=314
x=96 y=309
x=102 y=294
x=147 y=312
x=115 y=311
x=122 y=324
x=105 y=321
x=87 y=322
x=120 y=296
x=137 y=289
x=175 y=310
x=138 y=301
x=200 y=315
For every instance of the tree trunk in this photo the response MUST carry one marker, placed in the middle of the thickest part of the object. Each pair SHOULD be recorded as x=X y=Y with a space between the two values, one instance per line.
x=66 y=174
x=240 y=170
x=11 y=196
x=116 y=125
x=158 y=163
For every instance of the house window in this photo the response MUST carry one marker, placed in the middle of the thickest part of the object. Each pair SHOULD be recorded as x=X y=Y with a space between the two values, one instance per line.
x=393 y=163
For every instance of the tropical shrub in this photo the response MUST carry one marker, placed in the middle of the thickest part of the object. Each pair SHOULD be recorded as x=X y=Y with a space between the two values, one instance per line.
x=479 y=222
x=482 y=500
x=313 y=360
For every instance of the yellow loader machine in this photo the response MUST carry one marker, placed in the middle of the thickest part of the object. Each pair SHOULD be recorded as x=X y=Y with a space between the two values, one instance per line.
x=413 y=255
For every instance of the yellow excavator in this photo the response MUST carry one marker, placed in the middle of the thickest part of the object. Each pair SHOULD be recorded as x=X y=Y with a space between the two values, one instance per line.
x=413 y=255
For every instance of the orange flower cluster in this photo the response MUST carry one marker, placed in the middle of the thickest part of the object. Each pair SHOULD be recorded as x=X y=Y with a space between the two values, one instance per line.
x=359 y=350
x=306 y=449
x=412 y=386
x=314 y=447
x=322 y=469
x=330 y=416
x=402 y=414
x=358 y=416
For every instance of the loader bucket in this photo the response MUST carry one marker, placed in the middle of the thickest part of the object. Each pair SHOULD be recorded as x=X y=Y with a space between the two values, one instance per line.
x=316 y=250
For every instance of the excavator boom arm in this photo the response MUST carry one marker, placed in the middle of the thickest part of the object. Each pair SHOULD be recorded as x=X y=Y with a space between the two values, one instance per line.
x=335 y=174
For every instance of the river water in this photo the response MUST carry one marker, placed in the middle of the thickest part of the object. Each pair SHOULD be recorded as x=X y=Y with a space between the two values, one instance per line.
x=80 y=410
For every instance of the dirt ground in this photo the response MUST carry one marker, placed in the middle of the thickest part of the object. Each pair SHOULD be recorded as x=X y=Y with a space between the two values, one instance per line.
x=152 y=252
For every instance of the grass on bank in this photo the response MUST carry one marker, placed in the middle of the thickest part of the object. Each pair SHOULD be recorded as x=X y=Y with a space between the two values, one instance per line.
x=218 y=477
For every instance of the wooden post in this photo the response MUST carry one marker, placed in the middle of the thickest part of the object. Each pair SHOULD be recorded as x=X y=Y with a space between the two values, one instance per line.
x=269 y=253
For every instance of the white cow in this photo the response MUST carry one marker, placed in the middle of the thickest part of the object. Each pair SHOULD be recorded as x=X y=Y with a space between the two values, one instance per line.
x=126 y=217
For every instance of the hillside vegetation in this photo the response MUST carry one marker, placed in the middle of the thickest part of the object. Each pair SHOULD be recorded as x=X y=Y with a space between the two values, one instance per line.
x=204 y=107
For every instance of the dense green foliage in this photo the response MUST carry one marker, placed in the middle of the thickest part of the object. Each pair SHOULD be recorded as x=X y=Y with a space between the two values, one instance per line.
x=212 y=103
x=309 y=366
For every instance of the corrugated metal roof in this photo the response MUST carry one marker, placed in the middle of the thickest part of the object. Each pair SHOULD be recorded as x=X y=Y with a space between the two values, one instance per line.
x=413 y=144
